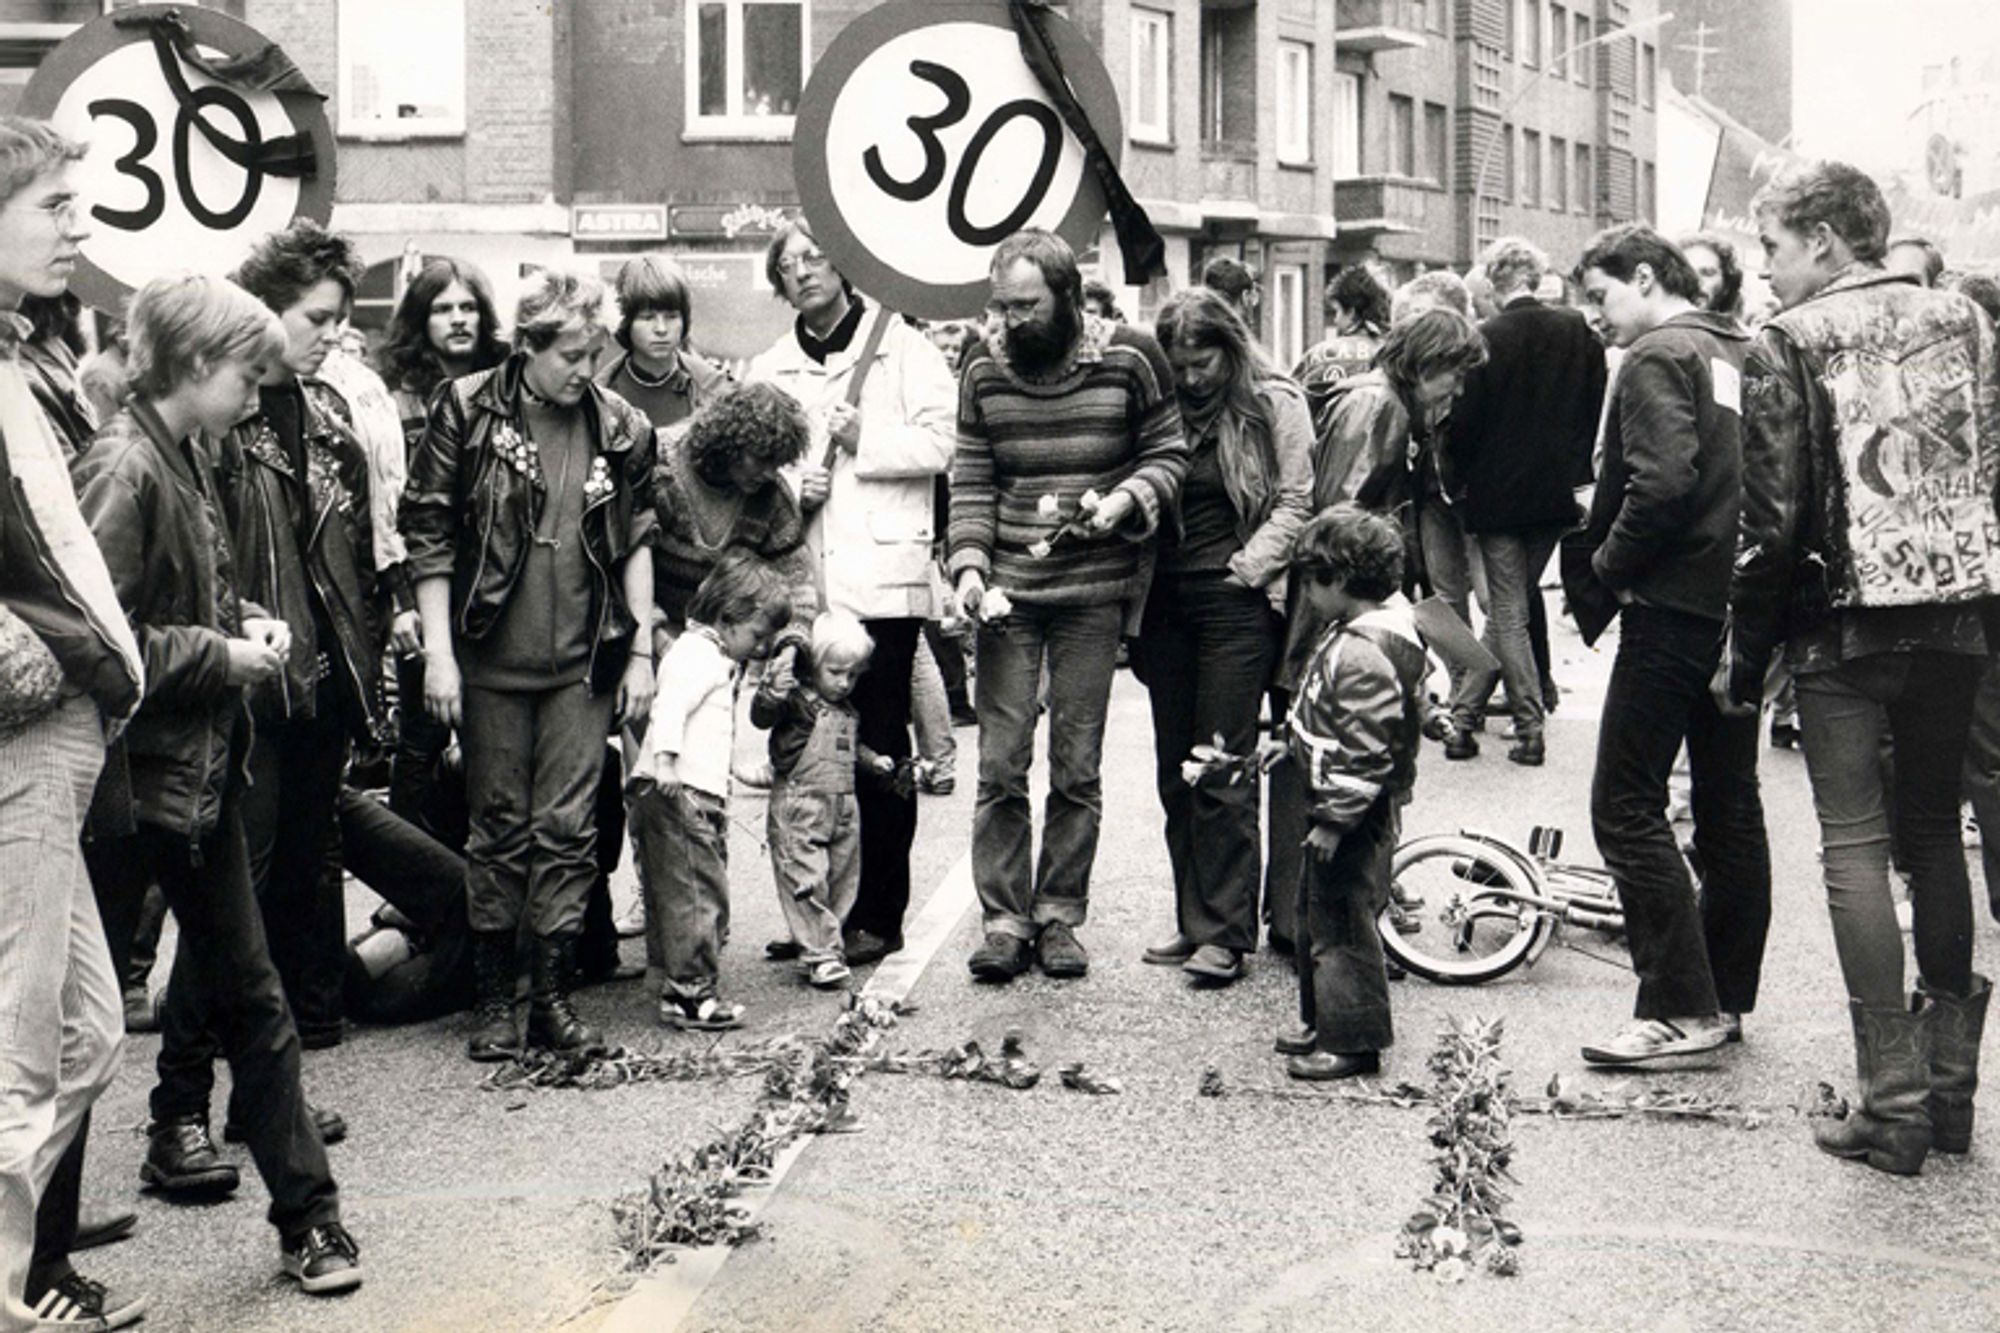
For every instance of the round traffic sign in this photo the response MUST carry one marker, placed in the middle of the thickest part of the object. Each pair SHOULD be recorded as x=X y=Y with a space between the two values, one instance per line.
x=161 y=197
x=923 y=139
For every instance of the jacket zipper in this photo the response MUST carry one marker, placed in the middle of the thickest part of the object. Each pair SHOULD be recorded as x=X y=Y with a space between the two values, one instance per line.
x=346 y=660
x=271 y=558
x=54 y=569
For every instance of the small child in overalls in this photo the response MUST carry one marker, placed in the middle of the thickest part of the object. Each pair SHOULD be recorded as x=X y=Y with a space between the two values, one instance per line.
x=814 y=823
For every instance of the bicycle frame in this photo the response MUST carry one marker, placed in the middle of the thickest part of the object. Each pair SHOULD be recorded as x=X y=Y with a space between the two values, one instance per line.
x=1570 y=894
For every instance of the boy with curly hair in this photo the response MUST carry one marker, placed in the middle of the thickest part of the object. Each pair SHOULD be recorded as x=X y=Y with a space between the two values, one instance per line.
x=1355 y=727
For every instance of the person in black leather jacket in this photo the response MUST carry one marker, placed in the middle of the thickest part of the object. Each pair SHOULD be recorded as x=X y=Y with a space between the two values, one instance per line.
x=528 y=496
x=1870 y=551
x=199 y=347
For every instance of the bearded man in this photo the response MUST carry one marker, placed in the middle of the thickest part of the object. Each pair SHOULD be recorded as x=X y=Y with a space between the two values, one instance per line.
x=1069 y=451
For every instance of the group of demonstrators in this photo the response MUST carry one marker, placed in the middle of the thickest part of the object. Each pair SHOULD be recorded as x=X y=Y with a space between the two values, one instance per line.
x=545 y=569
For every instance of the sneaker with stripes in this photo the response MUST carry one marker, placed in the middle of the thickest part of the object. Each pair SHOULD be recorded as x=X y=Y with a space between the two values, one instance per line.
x=76 y=1302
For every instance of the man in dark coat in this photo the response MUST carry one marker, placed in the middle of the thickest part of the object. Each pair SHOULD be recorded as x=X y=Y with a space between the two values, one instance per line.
x=1521 y=442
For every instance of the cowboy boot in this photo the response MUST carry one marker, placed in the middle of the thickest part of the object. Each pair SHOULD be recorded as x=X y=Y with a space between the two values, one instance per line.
x=1892 y=1130
x=1957 y=1022
x=493 y=970
x=552 y=1023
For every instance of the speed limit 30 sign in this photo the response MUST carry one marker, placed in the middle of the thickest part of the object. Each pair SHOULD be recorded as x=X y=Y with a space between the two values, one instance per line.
x=923 y=139
x=161 y=196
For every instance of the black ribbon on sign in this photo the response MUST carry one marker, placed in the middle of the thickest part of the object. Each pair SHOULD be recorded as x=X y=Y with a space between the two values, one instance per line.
x=1145 y=254
x=266 y=69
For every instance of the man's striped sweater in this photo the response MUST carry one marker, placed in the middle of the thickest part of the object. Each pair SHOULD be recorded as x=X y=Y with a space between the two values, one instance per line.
x=1108 y=420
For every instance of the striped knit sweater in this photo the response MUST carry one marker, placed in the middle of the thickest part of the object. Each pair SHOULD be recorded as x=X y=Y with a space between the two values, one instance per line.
x=1108 y=420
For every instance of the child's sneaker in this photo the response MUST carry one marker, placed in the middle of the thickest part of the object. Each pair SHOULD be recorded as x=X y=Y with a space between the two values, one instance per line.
x=828 y=974
x=702 y=1013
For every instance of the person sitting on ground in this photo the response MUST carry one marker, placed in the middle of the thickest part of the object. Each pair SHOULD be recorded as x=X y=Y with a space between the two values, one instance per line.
x=200 y=346
x=679 y=785
x=816 y=758
x=1353 y=735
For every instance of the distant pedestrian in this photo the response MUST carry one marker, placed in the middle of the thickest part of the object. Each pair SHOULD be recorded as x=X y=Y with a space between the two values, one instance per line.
x=679 y=784
x=1353 y=734
x=1357 y=307
x=1070 y=450
x=1235 y=282
x=1869 y=550
x=1656 y=552
x=1521 y=441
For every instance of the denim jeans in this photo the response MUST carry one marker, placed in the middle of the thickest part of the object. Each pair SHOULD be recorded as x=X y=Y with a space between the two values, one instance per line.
x=1080 y=646
x=816 y=864
x=1447 y=563
x=1343 y=984
x=61 y=1020
x=291 y=830
x=683 y=839
x=1205 y=652
x=1692 y=958
x=533 y=761
x=224 y=983
x=930 y=711
x=1926 y=700
x=1505 y=576
x=1287 y=821
x=888 y=818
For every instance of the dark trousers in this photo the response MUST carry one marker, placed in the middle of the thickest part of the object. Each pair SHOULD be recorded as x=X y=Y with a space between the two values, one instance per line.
x=1288 y=821
x=421 y=743
x=1693 y=956
x=223 y=982
x=56 y=1215
x=1925 y=699
x=1343 y=986
x=888 y=820
x=533 y=763
x=1982 y=777
x=1205 y=652
x=949 y=654
x=425 y=881
x=292 y=834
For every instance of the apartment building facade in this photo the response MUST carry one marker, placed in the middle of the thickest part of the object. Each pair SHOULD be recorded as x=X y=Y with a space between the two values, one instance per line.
x=1464 y=120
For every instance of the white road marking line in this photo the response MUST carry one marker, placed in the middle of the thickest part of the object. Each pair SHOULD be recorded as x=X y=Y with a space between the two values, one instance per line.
x=661 y=1301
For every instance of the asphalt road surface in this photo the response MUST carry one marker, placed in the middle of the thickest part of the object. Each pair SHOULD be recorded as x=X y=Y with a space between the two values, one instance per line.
x=971 y=1207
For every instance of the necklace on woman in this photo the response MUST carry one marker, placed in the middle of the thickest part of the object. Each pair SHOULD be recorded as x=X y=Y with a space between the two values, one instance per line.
x=639 y=378
x=528 y=391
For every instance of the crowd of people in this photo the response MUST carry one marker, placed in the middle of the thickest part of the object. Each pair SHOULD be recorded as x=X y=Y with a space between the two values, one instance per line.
x=533 y=580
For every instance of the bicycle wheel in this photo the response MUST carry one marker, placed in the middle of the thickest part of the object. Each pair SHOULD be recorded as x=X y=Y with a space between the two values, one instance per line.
x=1445 y=923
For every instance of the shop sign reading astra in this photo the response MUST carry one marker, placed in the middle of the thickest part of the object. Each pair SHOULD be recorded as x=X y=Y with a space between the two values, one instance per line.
x=618 y=222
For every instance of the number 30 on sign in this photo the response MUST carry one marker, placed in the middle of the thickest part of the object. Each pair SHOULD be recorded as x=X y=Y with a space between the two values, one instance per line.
x=923 y=139
x=160 y=196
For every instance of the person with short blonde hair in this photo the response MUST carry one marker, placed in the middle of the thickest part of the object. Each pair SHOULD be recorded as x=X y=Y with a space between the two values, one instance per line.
x=1513 y=265
x=557 y=302
x=178 y=328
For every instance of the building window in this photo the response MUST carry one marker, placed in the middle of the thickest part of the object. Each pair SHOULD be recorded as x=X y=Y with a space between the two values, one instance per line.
x=1648 y=76
x=746 y=63
x=402 y=68
x=1288 y=313
x=1531 y=168
x=1437 y=144
x=1152 y=76
x=1531 y=32
x=1434 y=11
x=1485 y=76
x=1558 y=173
x=1507 y=167
x=1402 y=135
x=1580 y=59
x=1346 y=125
x=1579 y=182
x=1558 y=41
x=1295 y=62
x=1648 y=185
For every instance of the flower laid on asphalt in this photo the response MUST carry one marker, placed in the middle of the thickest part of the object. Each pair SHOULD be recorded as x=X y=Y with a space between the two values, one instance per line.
x=1460 y=1228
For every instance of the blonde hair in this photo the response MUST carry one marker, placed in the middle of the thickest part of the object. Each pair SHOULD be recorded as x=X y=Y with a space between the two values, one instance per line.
x=555 y=303
x=178 y=326
x=837 y=634
x=28 y=149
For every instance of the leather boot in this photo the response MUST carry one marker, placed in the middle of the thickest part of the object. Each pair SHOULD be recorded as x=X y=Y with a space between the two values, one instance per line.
x=1892 y=1130
x=493 y=1035
x=552 y=1023
x=1956 y=1024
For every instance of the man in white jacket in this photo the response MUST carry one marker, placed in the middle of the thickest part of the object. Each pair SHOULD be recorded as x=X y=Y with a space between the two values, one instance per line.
x=883 y=409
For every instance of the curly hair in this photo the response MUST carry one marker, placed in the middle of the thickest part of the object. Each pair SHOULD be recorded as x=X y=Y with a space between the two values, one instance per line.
x=407 y=359
x=1729 y=296
x=1355 y=547
x=287 y=264
x=1845 y=198
x=756 y=421
x=1355 y=290
x=1513 y=264
x=1440 y=289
